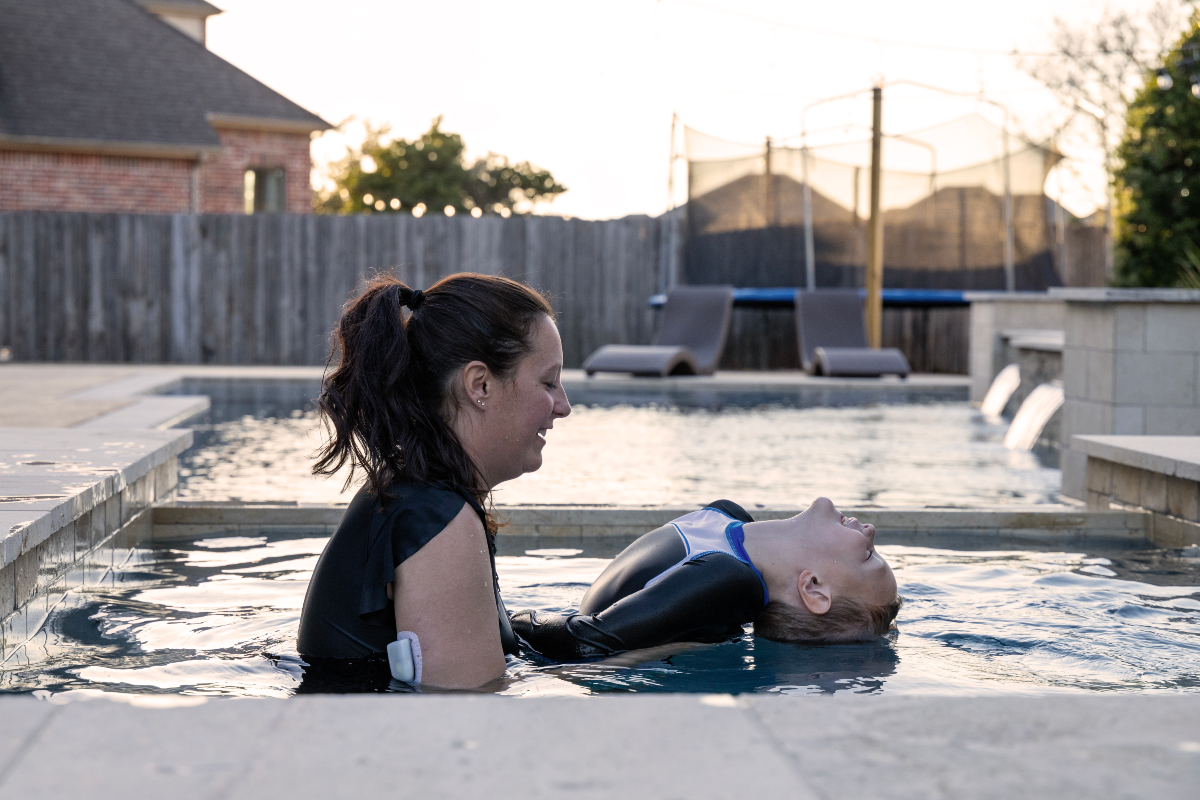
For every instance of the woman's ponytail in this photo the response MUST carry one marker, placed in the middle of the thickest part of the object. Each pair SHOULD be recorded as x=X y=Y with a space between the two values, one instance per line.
x=373 y=361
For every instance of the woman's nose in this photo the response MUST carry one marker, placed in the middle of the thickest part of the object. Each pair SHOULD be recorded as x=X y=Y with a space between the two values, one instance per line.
x=562 y=406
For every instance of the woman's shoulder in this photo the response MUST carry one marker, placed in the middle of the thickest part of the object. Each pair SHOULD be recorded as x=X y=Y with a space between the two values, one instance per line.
x=414 y=513
x=418 y=503
x=404 y=494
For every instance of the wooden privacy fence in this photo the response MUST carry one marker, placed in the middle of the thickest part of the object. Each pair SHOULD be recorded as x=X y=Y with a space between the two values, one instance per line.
x=267 y=289
x=934 y=338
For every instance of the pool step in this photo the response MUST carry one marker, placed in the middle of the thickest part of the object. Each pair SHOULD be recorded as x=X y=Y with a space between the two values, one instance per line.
x=895 y=525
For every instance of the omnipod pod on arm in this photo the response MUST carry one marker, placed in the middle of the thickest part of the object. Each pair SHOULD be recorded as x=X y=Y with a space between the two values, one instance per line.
x=404 y=658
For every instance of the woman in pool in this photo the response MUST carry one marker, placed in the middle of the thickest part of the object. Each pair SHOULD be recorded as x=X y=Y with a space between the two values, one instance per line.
x=813 y=578
x=436 y=407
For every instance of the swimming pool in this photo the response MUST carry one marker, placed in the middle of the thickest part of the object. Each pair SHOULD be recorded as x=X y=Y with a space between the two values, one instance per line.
x=900 y=446
x=217 y=616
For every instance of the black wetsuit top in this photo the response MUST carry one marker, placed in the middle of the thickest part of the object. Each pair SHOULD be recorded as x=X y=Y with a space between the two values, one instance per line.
x=656 y=591
x=347 y=613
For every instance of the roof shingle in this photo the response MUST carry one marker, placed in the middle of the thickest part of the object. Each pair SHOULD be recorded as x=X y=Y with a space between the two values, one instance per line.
x=110 y=71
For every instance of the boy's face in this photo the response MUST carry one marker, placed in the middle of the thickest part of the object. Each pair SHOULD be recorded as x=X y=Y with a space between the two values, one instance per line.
x=841 y=553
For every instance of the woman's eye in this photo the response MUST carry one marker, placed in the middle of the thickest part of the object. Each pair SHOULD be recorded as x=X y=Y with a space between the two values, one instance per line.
x=551 y=386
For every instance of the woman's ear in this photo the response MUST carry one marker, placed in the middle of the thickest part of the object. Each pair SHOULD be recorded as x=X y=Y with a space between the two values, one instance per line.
x=477 y=384
x=814 y=594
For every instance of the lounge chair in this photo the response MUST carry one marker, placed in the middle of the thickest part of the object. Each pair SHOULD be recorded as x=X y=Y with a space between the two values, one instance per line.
x=833 y=337
x=694 y=327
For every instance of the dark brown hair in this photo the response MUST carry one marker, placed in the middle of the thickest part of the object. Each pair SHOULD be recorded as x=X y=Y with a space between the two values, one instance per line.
x=847 y=620
x=389 y=399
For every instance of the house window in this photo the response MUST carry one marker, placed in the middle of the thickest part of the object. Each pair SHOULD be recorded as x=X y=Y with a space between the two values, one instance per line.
x=264 y=191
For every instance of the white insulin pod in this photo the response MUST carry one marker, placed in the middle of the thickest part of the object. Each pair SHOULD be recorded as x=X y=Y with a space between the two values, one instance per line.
x=404 y=658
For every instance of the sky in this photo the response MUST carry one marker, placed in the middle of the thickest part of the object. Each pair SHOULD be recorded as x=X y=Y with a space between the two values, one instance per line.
x=588 y=89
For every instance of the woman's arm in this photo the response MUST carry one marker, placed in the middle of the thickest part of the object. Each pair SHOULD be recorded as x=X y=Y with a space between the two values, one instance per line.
x=443 y=593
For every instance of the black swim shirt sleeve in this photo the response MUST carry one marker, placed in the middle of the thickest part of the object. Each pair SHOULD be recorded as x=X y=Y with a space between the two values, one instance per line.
x=706 y=600
x=397 y=532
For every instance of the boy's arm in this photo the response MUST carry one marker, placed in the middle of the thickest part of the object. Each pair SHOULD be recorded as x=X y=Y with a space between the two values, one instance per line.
x=706 y=600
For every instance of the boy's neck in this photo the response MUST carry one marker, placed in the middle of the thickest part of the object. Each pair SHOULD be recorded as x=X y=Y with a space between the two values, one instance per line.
x=771 y=545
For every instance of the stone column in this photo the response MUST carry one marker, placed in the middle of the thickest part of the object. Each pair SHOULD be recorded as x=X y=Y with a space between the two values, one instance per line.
x=1131 y=366
x=993 y=313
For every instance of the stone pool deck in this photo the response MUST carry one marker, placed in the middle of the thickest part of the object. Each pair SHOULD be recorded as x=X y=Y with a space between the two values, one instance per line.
x=122 y=395
x=661 y=746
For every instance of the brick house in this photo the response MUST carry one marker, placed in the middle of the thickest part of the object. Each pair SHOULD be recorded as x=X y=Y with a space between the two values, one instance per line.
x=117 y=105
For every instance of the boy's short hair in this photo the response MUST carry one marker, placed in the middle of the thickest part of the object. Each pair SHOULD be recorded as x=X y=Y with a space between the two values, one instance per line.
x=847 y=620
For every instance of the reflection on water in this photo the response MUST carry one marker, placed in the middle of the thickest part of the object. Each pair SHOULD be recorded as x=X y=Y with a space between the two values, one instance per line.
x=218 y=617
x=901 y=448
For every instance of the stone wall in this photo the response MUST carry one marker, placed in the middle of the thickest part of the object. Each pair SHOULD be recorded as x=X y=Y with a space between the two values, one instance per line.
x=1131 y=366
x=1174 y=500
x=1158 y=474
x=994 y=312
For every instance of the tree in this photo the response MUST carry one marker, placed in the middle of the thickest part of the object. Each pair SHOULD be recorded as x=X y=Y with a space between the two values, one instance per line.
x=1158 y=189
x=1099 y=69
x=429 y=174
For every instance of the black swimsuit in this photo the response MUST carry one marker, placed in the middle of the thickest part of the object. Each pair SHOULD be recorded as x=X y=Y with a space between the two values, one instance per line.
x=347 y=613
x=688 y=581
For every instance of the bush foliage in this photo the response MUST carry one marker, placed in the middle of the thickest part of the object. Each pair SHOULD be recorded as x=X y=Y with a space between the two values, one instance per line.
x=1158 y=180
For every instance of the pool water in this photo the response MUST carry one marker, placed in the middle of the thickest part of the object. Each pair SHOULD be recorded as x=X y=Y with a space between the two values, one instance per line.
x=902 y=447
x=217 y=616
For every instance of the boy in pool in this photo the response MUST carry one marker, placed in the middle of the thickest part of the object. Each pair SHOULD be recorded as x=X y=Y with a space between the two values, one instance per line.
x=813 y=578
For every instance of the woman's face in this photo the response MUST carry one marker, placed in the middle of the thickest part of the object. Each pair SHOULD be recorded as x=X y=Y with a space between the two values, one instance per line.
x=521 y=410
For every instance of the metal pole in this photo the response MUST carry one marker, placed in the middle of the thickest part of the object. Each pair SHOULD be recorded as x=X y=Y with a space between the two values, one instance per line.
x=671 y=168
x=769 y=199
x=1010 y=272
x=855 y=218
x=874 y=276
x=810 y=263
x=1108 y=206
x=1060 y=239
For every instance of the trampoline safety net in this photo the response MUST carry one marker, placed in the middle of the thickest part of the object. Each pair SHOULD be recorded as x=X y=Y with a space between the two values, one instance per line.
x=942 y=200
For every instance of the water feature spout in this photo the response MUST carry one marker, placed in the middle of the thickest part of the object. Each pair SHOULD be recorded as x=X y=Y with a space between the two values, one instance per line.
x=1033 y=415
x=1006 y=382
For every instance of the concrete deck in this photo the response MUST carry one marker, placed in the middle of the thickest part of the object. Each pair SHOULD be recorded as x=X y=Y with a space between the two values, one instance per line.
x=68 y=395
x=778 y=379
x=51 y=477
x=676 y=746
x=1177 y=456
